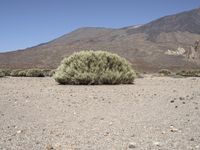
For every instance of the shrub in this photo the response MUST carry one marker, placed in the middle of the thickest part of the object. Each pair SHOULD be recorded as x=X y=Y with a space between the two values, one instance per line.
x=165 y=72
x=14 y=73
x=94 y=67
x=6 y=71
x=191 y=73
x=22 y=73
x=2 y=74
x=51 y=73
x=46 y=72
x=35 y=73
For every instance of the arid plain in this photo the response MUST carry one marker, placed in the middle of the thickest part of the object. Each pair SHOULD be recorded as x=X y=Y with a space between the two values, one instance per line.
x=153 y=113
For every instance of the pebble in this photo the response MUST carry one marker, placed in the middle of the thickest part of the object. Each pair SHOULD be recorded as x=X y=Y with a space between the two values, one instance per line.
x=156 y=143
x=132 y=145
x=192 y=139
x=173 y=129
x=172 y=101
x=19 y=131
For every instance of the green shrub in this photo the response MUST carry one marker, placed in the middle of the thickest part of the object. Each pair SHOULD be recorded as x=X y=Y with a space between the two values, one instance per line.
x=165 y=72
x=190 y=73
x=35 y=73
x=2 y=74
x=6 y=71
x=15 y=73
x=94 y=67
x=22 y=73
x=46 y=72
x=51 y=73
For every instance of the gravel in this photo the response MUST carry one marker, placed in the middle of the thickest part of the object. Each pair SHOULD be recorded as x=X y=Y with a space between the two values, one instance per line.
x=155 y=113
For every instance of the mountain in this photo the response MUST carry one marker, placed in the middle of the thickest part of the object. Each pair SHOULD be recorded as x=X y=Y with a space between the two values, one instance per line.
x=169 y=42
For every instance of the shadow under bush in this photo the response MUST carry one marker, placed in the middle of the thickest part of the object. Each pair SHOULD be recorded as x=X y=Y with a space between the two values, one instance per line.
x=94 y=67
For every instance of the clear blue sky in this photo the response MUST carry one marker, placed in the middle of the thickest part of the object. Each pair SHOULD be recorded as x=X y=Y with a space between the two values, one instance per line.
x=25 y=23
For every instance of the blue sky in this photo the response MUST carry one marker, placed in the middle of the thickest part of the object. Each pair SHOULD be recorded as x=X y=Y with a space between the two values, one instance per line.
x=25 y=23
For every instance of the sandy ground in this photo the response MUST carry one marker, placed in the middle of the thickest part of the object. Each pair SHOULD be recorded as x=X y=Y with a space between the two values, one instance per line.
x=155 y=113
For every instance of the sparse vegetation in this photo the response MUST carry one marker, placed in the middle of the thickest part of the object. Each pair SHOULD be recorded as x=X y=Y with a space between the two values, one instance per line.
x=15 y=73
x=94 y=67
x=35 y=73
x=22 y=73
x=190 y=73
x=165 y=72
x=2 y=74
x=6 y=71
x=51 y=73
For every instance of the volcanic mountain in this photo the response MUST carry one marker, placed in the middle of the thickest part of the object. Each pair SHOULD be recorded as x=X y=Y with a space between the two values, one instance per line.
x=169 y=42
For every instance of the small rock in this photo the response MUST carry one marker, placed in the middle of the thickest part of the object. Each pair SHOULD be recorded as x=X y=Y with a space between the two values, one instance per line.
x=156 y=143
x=176 y=106
x=132 y=145
x=172 y=101
x=183 y=102
x=181 y=98
x=19 y=131
x=49 y=147
x=192 y=139
x=163 y=132
x=173 y=129
x=133 y=135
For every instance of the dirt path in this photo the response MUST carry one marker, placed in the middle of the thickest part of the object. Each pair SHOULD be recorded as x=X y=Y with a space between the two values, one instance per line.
x=154 y=113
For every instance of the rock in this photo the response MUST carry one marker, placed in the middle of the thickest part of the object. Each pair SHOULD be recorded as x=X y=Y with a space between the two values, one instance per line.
x=132 y=145
x=19 y=131
x=172 y=101
x=192 y=139
x=156 y=143
x=49 y=147
x=173 y=129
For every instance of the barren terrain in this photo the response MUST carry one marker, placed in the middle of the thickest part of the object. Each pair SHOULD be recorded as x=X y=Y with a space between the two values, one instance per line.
x=154 y=113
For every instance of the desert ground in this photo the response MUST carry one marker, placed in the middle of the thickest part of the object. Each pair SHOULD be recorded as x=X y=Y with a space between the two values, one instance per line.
x=154 y=113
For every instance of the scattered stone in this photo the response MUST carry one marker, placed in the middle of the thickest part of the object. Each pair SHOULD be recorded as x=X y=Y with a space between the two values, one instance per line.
x=173 y=129
x=133 y=135
x=172 y=101
x=156 y=143
x=192 y=139
x=183 y=102
x=132 y=145
x=49 y=147
x=163 y=132
x=181 y=98
x=19 y=131
x=176 y=106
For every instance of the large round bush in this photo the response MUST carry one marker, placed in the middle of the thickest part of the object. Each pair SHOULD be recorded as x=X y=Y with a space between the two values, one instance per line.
x=94 y=67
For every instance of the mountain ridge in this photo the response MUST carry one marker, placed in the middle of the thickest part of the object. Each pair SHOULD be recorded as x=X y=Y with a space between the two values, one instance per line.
x=148 y=47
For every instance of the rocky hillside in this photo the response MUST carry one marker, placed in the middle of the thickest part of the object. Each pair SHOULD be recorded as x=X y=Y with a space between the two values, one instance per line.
x=169 y=42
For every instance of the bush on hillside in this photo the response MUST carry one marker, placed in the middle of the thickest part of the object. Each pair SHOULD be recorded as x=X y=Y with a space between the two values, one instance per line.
x=165 y=72
x=190 y=73
x=94 y=67
x=35 y=73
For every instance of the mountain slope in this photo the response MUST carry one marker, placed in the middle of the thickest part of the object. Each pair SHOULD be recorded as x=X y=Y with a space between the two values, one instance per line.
x=168 y=42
